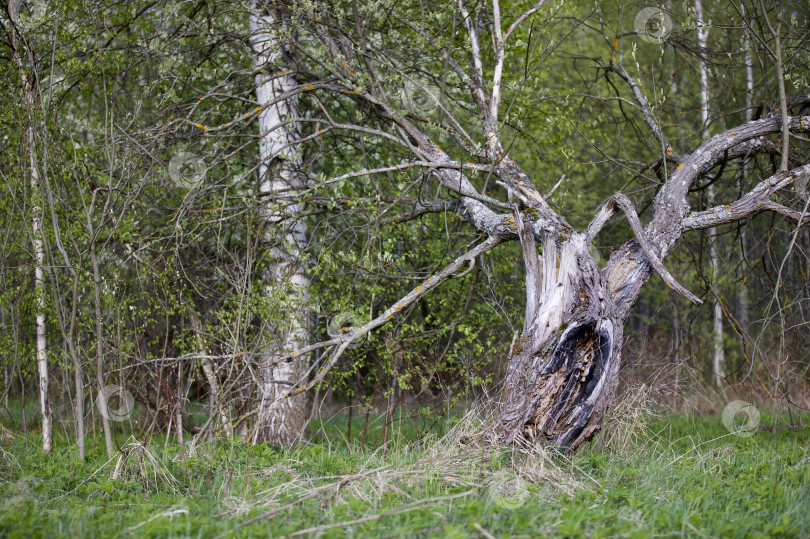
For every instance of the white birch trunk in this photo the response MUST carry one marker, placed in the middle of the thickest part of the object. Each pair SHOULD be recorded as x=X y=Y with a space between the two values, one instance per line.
x=39 y=252
x=280 y=421
x=39 y=289
x=742 y=295
x=719 y=356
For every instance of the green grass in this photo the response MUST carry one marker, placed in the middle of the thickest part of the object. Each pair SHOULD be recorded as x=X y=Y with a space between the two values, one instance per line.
x=686 y=477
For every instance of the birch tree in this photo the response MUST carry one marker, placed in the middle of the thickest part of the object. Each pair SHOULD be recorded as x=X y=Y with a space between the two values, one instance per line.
x=719 y=357
x=563 y=367
x=29 y=97
x=280 y=421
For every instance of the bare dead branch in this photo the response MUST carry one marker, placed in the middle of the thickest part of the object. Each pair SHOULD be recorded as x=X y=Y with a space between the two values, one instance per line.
x=755 y=201
x=620 y=201
x=645 y=110
x=388 y=315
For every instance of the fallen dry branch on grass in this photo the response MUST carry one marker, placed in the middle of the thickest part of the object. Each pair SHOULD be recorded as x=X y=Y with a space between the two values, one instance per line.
x=467 y=457
x=312 y=494
x=419 y=504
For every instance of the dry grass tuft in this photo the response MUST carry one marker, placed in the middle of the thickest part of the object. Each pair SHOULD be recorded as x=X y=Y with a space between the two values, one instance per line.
x=5 y=434
x=137 y=463
x=626 y=424
x=467 y=457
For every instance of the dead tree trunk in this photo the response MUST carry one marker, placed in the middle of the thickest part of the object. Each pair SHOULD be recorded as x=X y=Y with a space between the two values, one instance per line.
x=563 y=369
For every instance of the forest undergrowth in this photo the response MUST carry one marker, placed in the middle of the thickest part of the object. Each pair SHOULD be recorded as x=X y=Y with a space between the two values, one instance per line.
x=646 y=475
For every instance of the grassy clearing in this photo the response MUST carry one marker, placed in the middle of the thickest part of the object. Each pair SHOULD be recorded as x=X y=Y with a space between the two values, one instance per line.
x=672 y=476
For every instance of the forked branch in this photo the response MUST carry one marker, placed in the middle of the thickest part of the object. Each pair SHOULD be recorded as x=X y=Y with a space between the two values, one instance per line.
x=755 y=201
x=621 y=202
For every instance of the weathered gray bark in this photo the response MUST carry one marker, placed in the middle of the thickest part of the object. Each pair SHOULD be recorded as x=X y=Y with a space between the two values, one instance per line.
x=563 y=370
